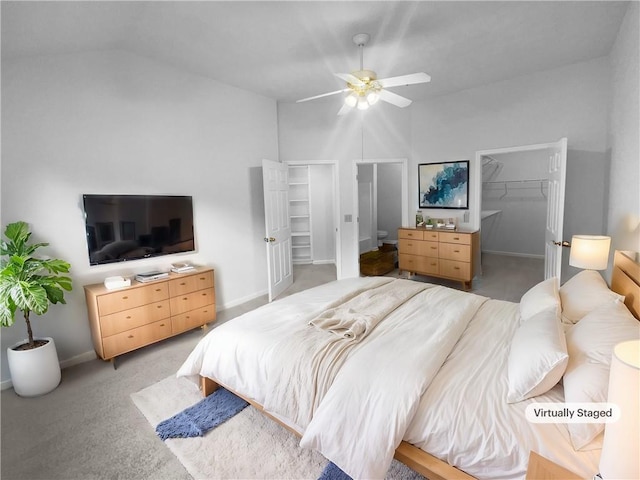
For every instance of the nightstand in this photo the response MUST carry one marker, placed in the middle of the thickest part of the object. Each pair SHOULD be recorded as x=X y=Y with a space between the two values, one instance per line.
x=541 y=468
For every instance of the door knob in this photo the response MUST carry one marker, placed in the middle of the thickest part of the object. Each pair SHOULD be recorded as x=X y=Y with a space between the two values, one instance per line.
x=269 y=240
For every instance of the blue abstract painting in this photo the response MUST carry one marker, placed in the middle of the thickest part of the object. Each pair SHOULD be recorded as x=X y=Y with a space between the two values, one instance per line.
x=444 y=185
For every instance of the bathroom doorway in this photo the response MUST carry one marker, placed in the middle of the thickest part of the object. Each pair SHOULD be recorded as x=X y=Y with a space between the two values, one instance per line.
x=381 y=201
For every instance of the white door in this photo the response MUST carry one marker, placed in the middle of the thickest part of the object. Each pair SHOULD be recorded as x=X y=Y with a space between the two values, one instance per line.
x=278 y=227
x=555 y=209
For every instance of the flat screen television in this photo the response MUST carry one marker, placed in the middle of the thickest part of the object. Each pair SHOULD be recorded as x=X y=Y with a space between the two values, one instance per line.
x=130 y=227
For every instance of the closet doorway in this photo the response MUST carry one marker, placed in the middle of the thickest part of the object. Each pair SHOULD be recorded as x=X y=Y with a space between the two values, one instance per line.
x=314 y=213
x=522 y=206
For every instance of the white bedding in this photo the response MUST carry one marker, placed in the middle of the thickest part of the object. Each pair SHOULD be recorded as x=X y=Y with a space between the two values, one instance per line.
x=458 y=355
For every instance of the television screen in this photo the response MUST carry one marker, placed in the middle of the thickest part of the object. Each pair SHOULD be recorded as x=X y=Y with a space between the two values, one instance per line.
x=129 y=227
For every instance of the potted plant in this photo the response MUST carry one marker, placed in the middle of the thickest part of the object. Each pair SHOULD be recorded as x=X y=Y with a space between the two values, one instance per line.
x=30 y=284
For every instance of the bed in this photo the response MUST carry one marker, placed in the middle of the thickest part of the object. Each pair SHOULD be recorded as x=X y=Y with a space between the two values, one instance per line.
x=367 y=369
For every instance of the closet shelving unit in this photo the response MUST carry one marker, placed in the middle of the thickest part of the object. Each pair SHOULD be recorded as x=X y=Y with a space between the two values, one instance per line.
x=300 y=214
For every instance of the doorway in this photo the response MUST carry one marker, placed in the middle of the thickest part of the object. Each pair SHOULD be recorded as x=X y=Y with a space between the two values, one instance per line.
x=315 y=218
x=521 y=197
x=381 y=202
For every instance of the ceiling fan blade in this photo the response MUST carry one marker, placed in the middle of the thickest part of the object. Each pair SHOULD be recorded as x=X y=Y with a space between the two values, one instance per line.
x=404 y=80
x=349 y=78
x=322 y=95
x=345 y=109
x=394 y=99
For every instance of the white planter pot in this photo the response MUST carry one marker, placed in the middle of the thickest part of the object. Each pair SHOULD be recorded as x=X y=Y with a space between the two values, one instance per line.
x=34 y=372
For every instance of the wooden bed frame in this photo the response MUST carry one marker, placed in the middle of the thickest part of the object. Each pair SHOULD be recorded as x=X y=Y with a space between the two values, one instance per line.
x=625 y=281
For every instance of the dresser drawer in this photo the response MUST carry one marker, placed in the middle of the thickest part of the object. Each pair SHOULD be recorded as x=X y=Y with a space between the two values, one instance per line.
x=410 y=246
x=191 y=301
x=135 y=317
x=131 y=298
x=452 y=251
x=430 y=249
x=453 y=237
x=410 y=234
x=430 y=235
x=190 y=283
x=136 y=338
x=457 y=270
x=192 y=319
x=414 y=263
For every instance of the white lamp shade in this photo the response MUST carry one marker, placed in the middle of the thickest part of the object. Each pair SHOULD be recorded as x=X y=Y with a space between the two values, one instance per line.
x=590 y=252
x=619 y=458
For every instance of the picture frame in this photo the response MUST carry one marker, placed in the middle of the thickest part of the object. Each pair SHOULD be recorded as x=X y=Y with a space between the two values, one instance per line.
x=444 y=185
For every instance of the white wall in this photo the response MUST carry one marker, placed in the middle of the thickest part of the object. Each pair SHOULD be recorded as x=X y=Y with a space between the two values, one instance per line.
x=624 y=184
x=113 y=122
x=569 y=101
x=313 y=131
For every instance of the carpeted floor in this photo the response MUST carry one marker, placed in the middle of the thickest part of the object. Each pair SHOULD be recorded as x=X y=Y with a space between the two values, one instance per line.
x=88 y=427
x=249 y=445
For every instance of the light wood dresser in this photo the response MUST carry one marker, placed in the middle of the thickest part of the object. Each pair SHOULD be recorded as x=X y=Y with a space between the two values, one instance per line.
x=439 y=253
x=126 y=319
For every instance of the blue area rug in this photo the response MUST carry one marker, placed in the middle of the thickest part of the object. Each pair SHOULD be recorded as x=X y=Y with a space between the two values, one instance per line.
x=205 y=415
x=333 y=472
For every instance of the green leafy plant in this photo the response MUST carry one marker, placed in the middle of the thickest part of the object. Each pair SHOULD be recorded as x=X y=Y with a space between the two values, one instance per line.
x=28 y=283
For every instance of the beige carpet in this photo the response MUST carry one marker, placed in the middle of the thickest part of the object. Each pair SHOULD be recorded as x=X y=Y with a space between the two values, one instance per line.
x=247 y=446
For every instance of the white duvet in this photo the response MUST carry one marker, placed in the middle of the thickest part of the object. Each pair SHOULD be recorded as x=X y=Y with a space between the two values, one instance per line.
x=433 y=372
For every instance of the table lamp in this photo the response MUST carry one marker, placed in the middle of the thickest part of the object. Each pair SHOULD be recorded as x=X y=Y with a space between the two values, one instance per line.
x=590 y=252
x=619 y=457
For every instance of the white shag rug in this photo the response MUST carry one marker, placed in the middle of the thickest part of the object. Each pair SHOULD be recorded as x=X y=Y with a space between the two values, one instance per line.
x=248 y=446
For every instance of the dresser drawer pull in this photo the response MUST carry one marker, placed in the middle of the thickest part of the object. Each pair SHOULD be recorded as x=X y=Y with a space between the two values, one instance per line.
x=125 y=298
x=434 y=248
x=202 y=278
x=456 y=268
x=409 y=244
x=188 y=316
x=185 y=298
x=158 y=306
x=158 y=289
x=434 y=264
x=456 y=251
x=130 y=336
x=183 y=283
x=456 y=238
x=162 y=324
x=128 y=317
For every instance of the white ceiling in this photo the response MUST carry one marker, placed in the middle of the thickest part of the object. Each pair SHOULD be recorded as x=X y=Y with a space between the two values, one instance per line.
x=288 y=50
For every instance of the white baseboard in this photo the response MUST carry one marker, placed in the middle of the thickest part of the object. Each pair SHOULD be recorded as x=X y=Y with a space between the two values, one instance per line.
x=69 y=362
x=235 y=303
x=324 y=262
x=512 y=254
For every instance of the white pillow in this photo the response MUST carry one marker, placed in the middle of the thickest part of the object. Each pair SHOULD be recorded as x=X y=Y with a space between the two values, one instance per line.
x=583 y=293
x=540 y=297
x=590 y=344
x=538 y=356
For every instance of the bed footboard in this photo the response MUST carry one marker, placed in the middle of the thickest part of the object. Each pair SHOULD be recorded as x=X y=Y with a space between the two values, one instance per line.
x=414 y=458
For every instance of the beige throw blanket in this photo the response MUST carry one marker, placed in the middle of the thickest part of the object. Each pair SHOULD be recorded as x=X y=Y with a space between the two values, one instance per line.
x=305 y=364
x=355 y=318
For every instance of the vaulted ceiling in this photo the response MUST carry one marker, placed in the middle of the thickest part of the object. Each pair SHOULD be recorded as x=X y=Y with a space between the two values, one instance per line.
x=289 y=50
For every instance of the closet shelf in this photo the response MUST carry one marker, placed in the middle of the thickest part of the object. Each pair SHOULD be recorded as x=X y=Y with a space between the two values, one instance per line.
x=522 y=183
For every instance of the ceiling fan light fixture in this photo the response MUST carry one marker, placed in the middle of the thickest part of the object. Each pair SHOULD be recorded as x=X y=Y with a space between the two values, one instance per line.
x=373 y=97
x=351 y=99
x=363 y=104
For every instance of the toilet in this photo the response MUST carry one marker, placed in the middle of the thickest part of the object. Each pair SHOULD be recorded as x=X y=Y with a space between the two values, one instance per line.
x=382 y=234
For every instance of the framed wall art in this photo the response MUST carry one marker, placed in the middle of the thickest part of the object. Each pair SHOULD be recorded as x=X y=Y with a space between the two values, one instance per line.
x=444 y=185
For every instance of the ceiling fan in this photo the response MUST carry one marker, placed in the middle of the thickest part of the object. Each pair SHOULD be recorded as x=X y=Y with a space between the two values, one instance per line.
x=365 y=89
